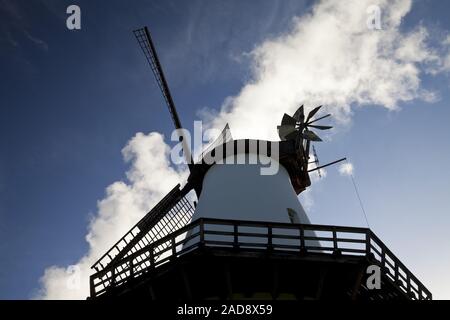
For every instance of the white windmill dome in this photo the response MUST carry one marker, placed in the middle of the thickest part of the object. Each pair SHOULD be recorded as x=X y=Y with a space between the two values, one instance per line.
x=240 y=192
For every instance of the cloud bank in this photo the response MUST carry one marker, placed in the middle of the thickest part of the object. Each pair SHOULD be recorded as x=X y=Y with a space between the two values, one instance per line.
x=328 y=57
x=150 y=177
x=331 y=57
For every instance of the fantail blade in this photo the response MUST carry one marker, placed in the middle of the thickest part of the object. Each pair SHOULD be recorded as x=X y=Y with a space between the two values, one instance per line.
x=312 y=113
x=288 y=120
x=309 y=135
x=299 y=115
x=320 y=127
x=285 y=130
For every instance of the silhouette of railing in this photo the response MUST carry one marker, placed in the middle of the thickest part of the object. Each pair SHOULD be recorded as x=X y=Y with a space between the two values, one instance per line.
x=172 y=212
x=278 y=237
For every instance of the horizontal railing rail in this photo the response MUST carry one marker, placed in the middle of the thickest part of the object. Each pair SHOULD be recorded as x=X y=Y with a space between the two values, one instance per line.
x=259 y=236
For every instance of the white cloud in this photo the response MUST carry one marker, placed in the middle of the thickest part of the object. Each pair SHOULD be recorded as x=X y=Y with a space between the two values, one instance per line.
x=346 y=169
x=442 y=64
x=150 y=177
x=329 y=57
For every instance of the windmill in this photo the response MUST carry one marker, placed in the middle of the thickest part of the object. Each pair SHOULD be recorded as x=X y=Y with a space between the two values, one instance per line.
x=249 y=234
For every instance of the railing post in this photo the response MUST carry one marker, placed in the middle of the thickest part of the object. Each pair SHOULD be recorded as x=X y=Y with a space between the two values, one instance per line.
x=269 y=238
x=113 y=276
x=408 y=283
x=235 y=236
x=368 y=242
x=174 y=248
x=92 y=286
x=131 y=268
x=397 y=274
x=202 y=233
x=302 y=239
x=335 y=244
x=152 y=257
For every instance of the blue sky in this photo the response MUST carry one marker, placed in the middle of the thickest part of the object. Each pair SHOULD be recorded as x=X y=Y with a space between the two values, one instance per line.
x=71 y=100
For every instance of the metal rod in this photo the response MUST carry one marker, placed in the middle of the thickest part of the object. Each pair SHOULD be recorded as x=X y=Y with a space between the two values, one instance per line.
x=326 y=165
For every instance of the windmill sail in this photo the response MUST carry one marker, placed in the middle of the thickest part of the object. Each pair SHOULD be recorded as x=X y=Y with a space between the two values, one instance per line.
x=148 y=48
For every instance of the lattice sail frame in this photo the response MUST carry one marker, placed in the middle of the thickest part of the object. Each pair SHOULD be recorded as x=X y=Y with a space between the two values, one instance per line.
x=171 y=213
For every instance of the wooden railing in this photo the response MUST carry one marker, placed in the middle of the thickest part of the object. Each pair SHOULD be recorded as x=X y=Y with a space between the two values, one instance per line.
x=206 y=232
